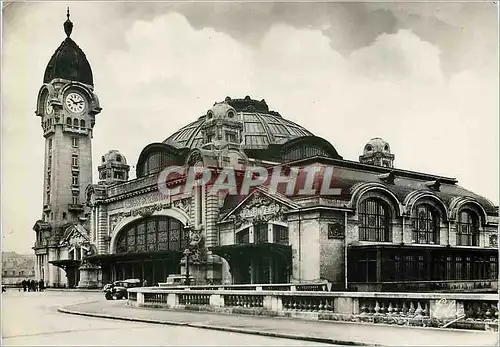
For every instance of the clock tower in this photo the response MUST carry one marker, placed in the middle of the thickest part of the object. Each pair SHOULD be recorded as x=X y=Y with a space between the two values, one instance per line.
x=67 y=106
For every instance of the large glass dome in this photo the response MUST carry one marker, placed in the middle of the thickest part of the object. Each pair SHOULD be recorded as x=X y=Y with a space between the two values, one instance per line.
x=261 y=127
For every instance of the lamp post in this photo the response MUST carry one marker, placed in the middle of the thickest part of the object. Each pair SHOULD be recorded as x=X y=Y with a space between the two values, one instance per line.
x=187 y=253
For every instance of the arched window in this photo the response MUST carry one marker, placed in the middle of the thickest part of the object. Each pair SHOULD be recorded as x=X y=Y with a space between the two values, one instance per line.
x=119 y=158
x=75 y=122
x=467 y=229
x=68 y=121
x=82 y=123
x=153 y=234
x=375 y=221
x=425 y=225
x=156 y=162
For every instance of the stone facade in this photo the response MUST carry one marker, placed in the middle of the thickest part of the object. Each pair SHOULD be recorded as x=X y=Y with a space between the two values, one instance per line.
x=376 y=225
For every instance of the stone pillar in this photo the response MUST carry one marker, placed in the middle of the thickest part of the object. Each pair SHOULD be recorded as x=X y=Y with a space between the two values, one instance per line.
x=51 y=275
x=408 y=231
x=251 y=236
x=213 y=269
x=88 y=276
x=103 y=246
x=452 y=234
x=37 y=267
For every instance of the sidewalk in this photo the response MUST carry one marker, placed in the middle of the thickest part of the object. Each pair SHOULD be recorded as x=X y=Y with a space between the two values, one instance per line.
x=75 y=290
x=317 y=331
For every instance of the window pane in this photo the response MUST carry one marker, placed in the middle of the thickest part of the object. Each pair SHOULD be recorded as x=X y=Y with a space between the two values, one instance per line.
x=374 y=220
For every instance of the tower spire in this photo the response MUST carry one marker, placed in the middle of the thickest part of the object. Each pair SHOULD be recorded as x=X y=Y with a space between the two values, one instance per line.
x=68 y=25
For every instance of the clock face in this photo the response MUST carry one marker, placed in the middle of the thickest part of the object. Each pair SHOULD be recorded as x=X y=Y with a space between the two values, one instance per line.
x=75 y=102
x=48 y=107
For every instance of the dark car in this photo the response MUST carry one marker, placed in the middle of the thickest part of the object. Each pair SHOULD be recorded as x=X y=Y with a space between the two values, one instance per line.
x=118 y=290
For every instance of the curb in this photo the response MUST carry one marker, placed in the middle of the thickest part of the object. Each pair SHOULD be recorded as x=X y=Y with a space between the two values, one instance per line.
x=220 y=328
x=67 y=290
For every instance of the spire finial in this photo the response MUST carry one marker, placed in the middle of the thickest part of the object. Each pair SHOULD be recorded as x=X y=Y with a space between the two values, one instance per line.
x=68 y=25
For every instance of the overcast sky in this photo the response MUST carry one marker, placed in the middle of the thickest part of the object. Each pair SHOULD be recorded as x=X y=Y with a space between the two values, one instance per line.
x=422 y=76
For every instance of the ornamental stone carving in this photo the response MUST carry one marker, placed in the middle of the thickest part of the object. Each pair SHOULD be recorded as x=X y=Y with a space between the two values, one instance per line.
x=146 y=211
x=145 y=199
x=184 y=205
x=259 y=210
x=494 y=240
x=115 y=219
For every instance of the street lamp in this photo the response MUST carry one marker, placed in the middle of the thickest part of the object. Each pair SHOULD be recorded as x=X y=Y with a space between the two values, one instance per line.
x=187 y=253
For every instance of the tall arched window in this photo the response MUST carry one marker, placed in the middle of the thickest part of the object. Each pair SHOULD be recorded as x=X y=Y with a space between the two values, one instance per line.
x=467 y=229
x=68 y=121
x=153 y=234
x=426 y=225
x=82 y=123
x=75 y=122
x=375 y=221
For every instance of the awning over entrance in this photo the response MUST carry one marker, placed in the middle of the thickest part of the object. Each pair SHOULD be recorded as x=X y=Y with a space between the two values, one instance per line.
x=174 y=256
x=257 y=262
x=65 y=263
x=252 y=250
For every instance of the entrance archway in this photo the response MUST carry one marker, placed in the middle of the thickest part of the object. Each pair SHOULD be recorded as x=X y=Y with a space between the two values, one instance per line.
x=147 y=249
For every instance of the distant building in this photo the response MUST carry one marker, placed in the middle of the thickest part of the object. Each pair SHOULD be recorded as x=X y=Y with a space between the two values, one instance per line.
x=17 y=267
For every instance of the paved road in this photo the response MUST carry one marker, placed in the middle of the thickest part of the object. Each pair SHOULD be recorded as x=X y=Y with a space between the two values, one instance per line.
x=32 y=319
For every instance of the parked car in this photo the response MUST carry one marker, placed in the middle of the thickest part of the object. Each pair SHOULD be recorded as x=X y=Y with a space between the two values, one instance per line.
x=118 y=290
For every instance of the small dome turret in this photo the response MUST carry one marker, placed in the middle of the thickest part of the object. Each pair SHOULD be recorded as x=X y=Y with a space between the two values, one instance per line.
x=377 y=152
x=114 y=156
x=113 y=168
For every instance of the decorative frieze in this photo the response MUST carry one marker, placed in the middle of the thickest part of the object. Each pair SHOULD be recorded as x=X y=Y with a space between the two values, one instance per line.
x=145 y=199
x=148 y=210
x=259 y=209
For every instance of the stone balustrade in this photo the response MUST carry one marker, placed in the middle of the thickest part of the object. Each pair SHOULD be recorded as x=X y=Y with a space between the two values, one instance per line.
x=300 y=287
x=470 y=311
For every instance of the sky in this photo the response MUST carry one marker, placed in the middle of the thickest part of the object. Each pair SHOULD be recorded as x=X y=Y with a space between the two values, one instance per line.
x=423 y=76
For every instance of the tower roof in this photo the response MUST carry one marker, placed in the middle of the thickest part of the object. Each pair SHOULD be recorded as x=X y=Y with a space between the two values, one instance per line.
x=68 y=61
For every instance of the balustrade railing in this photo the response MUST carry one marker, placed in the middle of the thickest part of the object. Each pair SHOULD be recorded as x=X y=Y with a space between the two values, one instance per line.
x=194 y=299
x=459 y=310
x=155 y=298
x=313 y=286
x=308 y=303
x=239 y=300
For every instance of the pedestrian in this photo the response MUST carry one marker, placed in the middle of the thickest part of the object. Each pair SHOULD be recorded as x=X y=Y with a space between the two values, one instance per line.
x=32 y=285
x=24 y=284
x=145 y=283
x=41 y=285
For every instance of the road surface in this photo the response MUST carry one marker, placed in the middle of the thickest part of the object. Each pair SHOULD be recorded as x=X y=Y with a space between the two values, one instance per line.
x=32 y=319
